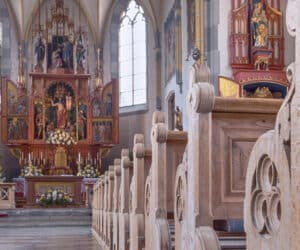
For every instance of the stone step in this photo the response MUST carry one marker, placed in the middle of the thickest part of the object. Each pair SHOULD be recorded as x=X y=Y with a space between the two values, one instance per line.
x=232 y=243
x=46 y=218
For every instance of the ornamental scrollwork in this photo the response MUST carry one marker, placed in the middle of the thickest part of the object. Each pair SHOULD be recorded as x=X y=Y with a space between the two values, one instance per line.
x=180 y=199
x=147 y=197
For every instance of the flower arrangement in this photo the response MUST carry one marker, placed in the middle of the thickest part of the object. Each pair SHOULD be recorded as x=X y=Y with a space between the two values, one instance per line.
x=61 y=137
x=89 y=171
x=32 y=170
x=54 y=197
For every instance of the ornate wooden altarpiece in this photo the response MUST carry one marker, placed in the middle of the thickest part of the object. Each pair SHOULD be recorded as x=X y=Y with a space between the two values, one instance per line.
x=256 y=51
x=28 y=120
x=60 y=98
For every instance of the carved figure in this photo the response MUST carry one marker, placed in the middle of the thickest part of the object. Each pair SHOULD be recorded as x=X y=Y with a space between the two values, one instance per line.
x=56 y=58
x=81 y=125
x=80 y=53
x=259 y=23
x=262 y=35
x=178 y=119
x=68 y=53
x=39 y=124
x=61 y=113
x=39 y=50
x=262 y=61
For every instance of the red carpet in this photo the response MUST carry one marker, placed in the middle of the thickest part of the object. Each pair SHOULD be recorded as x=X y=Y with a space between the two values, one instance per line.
x=2 y=214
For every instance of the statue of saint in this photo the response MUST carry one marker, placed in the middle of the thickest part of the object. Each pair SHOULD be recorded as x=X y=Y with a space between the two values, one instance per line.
x=178 y=119
x=259 y=23
x=61 y=113
x=56 y=58
x=80 y=53
x=68 y=54
x=39 y=50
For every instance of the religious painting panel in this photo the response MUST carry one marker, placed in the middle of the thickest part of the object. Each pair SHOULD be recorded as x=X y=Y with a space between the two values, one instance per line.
x=17 y=129
x=38 y=120
x=191 y=18
x=60 y=108
x=82 y=121
x=96 y=108
x=102 y=131
x=107 y=96
x=170 y=45
x=17 y=104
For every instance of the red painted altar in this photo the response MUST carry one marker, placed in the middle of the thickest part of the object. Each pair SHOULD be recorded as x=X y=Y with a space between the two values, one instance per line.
x=256 y=51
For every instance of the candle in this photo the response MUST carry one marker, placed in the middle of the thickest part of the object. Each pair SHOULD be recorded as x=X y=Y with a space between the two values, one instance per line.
x=29 y=157
x=79 y=156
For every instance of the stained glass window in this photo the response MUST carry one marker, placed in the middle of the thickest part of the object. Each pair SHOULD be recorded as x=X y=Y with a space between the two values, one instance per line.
x=132 y=56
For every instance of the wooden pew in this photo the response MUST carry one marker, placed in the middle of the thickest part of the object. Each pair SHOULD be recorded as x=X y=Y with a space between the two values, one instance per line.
x=141 y=166
x=117 y=172
x=110 y=212
x=7 y=195
x=124 y=224
x=167 y=152
x=210 y=181
x=97 y=206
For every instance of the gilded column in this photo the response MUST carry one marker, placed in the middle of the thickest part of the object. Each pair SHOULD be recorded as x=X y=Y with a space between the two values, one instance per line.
x=199 y=28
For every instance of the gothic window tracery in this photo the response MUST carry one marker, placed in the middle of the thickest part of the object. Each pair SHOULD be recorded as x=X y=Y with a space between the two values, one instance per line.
x=132 y=56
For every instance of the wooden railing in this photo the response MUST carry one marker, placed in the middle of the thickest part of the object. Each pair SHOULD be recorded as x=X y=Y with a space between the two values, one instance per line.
x=7 y=195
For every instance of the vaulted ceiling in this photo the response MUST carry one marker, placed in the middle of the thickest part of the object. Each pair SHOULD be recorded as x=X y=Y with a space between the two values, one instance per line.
x=96 y=11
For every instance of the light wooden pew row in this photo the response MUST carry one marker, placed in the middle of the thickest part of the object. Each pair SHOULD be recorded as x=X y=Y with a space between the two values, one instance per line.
x=124 y=224
x=167 y=152
x=210 y=181
x=117 y=182
x=141 y=166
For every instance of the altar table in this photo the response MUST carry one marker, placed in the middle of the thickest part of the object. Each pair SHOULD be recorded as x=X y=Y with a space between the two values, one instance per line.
x=37 y=185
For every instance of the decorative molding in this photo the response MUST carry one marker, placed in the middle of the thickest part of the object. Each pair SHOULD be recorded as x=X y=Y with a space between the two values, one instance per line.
x=202 y=97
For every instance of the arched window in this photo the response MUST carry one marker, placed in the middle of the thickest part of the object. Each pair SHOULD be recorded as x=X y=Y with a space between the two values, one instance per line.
x=132 y=56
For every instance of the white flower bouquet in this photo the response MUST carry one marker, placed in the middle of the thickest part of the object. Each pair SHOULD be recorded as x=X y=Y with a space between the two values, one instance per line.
x=89 y=171
x=54 y=197
x=32 y=170
x=61 y=137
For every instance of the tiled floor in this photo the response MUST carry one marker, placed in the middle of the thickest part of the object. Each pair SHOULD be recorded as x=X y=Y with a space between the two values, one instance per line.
x=47 y=238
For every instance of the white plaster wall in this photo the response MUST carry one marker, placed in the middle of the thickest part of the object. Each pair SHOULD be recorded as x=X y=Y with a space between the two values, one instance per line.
x=223 y=37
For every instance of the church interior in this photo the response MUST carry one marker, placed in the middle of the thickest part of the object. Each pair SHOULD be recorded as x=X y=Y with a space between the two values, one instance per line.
x=149 y=125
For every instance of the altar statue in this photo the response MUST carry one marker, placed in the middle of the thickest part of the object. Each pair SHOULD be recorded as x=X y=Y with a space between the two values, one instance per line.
x=259 y=23
x=61 y=113
x=80 y=53
x=56 y=58
x=39 y=51
x=178 y=119
x=68 y=54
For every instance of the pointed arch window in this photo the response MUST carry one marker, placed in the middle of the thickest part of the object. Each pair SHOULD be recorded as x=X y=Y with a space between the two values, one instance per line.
x=132 y=56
